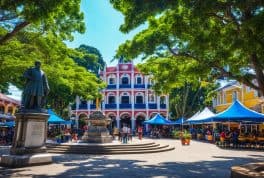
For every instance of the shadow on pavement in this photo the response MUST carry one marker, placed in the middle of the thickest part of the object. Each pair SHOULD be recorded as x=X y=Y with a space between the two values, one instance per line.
x=102 y=166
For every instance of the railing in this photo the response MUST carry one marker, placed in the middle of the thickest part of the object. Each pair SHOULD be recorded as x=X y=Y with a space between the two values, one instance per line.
x=111 y=87
x=92 y=106
x=140 y=106
x=152 y=106
x=139 y=86
x=110 y=106
x=124 y=106
x=124 y=86
x=83 y=106
x=162 y=106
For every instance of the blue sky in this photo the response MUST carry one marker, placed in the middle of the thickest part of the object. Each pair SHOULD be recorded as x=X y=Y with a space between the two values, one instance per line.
x=102 y=29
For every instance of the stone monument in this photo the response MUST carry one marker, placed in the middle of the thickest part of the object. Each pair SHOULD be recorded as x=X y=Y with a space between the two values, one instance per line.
x=28 y=147
x=97 y=129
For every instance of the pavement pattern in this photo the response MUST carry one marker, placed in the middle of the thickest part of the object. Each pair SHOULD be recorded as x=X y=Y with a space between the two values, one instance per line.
x=203 y=160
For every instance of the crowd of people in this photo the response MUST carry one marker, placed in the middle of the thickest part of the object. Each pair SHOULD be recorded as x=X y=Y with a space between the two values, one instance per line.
x=6 y=135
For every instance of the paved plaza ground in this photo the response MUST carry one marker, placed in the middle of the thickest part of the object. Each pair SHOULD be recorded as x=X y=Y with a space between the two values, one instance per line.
x=197 y=160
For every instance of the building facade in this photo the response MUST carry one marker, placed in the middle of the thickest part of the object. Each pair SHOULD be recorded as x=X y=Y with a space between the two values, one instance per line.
x=233 y=90
x=127 y=99
x=8 y=105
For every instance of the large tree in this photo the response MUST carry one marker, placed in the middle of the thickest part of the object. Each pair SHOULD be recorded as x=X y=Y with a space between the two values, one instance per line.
x=66 y=78
x=62 y=17
x=214 y=34
x=92 y=59
x=177 y=79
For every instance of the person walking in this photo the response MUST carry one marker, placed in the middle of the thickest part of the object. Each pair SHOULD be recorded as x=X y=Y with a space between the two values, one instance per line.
x=140 y=130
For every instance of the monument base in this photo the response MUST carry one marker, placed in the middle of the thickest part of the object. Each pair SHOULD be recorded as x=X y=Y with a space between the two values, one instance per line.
x=16 y=161
x=28 y=146
x=99 y=139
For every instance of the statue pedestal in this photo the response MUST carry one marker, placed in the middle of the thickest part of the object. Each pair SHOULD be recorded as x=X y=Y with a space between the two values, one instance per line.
x=28 y=146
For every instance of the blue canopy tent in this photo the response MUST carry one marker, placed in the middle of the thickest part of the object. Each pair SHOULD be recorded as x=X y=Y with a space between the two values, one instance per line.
x=158 y=120
x=54 y=119
x=237 y=112
x=7 y=124
x=179 y=121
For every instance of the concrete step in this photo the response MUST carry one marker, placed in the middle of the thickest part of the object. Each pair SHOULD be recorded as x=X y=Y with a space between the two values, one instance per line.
x=101 y=149
x=131 y=148
x=112 y=152
x=101 y=145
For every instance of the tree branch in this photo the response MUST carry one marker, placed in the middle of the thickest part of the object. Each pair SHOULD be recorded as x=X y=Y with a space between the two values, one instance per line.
x=9 y=35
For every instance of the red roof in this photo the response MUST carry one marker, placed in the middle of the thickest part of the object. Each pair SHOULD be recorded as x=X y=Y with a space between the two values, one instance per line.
x=8 y=99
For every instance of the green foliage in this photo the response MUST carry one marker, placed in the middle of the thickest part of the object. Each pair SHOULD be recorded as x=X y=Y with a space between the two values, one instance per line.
x=92 y=59
x=188 y=93
x=186 y=135
x=176 y=134
x=66 y=78
x=61 y=17
x=210 y=34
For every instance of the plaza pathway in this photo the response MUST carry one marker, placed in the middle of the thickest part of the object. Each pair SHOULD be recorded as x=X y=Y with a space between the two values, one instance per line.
x=201 y=160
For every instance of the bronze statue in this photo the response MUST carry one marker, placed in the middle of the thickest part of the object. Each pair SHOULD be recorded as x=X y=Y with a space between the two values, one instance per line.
x=36 y=89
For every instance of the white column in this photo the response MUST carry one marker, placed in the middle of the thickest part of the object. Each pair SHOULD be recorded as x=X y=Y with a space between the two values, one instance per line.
x=133 y=121
x=118 y=121
x=158 y=103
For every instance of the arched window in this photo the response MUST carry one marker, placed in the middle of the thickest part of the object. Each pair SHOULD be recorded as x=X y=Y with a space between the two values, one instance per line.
x=138 y=79
x=112 y=79
x=139 y=99
x=111 y=99
x=151 y=98
x=162 y=100
x=125 y=98
x=125 y=79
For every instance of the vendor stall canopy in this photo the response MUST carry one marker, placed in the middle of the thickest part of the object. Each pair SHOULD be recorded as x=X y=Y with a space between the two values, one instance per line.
x=201 y=117
x=158 y=120
x=54 y=119
x=179 y=121
x=237 y=112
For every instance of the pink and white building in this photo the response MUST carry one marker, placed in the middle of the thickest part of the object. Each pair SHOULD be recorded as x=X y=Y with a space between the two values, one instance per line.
x=127 y=99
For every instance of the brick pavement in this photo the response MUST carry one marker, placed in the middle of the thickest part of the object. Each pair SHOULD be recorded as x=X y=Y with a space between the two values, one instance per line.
x=197 y=160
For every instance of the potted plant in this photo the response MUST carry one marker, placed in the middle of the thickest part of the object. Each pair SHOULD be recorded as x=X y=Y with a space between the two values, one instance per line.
x=176 y=134
x=186 y=138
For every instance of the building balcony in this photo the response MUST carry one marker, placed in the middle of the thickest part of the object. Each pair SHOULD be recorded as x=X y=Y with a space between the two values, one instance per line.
x=111 y=87
x=83 y=106
x=92 y=106
x=140 y=106
x=124 y=86
x=162 y=106
x=139 y=86
x=110 y=106
x=152 y=106
x=125 y=106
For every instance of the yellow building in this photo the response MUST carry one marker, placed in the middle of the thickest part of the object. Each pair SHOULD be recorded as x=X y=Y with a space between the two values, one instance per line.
x=232 y=90
x=8 y=105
